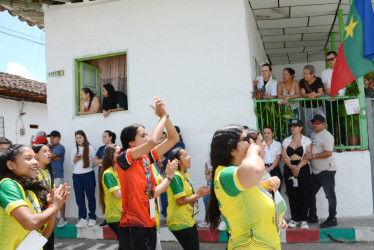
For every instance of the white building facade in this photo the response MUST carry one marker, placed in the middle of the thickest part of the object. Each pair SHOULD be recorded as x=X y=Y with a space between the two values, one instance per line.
x=198 y=56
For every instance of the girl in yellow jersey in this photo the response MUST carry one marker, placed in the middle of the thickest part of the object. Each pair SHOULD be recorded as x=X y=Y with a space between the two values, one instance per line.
x=182 y=198
x=43 y=157
x=22 y=195
x=247 y=209
x=110 y=196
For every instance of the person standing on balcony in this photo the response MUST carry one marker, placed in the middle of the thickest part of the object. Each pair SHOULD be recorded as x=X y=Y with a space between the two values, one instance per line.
x=323 y=171
x=311 y=88
x=266 y=82
x=332 y=107
x=289 y=89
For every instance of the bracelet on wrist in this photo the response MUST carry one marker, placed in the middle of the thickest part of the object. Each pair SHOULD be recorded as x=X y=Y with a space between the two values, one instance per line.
x=169 y=178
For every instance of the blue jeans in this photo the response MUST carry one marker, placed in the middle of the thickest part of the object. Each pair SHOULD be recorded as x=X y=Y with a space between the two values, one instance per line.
x=326 y=180
x=207 y=197
x=164 y=204
x=85 y=184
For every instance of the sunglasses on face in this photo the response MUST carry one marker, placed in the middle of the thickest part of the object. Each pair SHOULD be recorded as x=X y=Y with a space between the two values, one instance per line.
x=330 y=59
x=245 y=138
x=316 y=123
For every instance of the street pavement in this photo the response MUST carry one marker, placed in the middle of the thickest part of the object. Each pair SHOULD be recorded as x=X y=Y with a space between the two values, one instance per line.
x=89 y=244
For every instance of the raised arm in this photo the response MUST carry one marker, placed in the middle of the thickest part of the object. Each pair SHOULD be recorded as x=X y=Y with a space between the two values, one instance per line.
x=251 y=170
x=173 y=138
x=153 y=139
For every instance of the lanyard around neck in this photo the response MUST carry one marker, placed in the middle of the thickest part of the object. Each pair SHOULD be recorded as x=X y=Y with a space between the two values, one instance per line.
x=148 y=175
x=189 y=182
x=47 y=181
x=36 y=208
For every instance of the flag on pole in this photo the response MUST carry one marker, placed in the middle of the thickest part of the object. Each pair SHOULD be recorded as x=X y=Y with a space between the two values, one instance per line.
x=356 y=53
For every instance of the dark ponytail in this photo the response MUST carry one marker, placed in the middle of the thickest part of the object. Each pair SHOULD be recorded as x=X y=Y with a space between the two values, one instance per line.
x=111 y=134
x=224 y=141
x=89 y=91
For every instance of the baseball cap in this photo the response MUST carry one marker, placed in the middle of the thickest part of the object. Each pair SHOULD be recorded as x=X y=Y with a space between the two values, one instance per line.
x=296 y=123
x=54 y=133
x=40 y=133
x=40 y=140
x=318 y=118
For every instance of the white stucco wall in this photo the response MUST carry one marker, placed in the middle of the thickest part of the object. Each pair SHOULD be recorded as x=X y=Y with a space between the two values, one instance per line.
x=194 y=54
x=278 y=69
x=197 y=56
x=352 y=186
x=36 y=113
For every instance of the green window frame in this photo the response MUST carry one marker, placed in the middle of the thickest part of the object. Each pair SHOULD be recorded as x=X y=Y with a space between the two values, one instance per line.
x=88 y=75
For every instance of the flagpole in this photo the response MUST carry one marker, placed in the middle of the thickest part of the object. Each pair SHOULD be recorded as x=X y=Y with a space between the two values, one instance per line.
x=361 y=95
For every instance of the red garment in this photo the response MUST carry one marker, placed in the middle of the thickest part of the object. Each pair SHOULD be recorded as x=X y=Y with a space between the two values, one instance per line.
x=135 y=189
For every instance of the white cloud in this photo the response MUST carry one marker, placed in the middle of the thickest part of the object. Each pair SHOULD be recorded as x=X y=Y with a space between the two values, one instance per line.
x=17 y=69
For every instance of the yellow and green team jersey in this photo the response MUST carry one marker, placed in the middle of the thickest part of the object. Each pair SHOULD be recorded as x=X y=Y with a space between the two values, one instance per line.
x=12 y=196
x=158 y=180
x=249 y=213
x=180 y=217
x=46 y=178
x=113 y=206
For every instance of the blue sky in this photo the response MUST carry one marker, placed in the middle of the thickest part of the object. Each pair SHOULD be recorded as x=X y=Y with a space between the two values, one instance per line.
x=20 y=56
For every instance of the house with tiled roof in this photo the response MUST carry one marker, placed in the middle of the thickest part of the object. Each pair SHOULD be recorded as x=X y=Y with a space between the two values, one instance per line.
x=23 y=107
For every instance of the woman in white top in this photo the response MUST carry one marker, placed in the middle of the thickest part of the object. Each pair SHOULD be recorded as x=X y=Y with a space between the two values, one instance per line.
x=84 y=179
x=289 y=89
x=296 y=152
x=273 y=154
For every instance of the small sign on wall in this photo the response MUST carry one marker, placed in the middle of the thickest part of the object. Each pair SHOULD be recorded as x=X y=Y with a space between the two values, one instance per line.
x=58 y=73
x=352 y=106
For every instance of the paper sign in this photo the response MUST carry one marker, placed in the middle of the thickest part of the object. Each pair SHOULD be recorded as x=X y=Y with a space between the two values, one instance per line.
x=33 y=241
x=152 y=208
x=352 y=106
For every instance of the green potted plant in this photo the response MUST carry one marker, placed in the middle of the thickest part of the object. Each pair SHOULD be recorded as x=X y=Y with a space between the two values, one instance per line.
x=352 y=89
x=274 y=115
x=352 y=126
x=257 y=93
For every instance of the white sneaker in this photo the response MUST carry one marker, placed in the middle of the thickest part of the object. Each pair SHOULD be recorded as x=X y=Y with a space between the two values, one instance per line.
x=304 y=225
x=81 y=223
x=62 y=222
x=293 y=224
x=222 y=226
x=203 y=224
x=91 y=223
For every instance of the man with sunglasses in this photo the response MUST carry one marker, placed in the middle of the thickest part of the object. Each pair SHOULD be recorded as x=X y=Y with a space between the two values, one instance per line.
x=332 y=107
x=323 y=171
